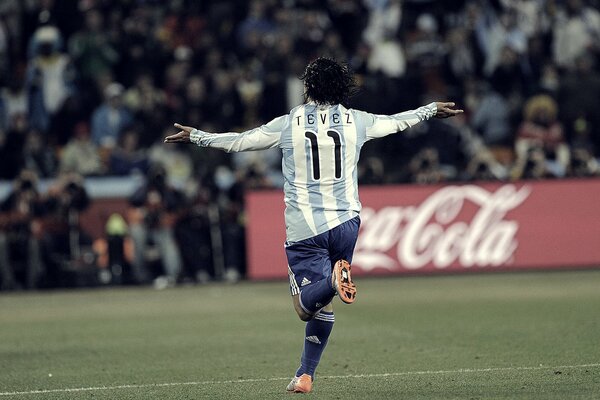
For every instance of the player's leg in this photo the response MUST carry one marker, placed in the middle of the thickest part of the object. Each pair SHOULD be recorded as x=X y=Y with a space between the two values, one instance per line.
x=317 y=332
x=340 y=243
x=312 y=292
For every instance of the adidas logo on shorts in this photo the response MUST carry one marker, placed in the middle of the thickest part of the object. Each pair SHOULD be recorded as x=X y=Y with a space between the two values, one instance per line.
x=304 y=282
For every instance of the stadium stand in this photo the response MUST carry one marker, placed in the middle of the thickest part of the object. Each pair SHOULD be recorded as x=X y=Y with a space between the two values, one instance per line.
x=89 y=88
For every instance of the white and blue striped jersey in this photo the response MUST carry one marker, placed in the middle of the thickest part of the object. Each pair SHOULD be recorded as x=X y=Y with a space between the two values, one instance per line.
x=321 y=147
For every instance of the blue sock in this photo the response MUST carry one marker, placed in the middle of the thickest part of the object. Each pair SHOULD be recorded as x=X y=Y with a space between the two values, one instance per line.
x=316 y=295
x=318 y=330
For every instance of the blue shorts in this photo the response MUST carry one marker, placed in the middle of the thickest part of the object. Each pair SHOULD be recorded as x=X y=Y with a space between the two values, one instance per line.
x=311 y=260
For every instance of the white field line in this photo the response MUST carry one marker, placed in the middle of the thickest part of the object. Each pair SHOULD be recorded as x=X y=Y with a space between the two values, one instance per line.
x=383 y=375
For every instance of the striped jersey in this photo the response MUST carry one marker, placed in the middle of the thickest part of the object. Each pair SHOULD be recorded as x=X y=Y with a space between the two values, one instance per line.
x=321 y=147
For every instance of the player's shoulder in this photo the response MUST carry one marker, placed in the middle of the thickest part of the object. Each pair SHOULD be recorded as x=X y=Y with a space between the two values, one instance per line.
x=352 y=110
x=298 y=108
x=358 y=115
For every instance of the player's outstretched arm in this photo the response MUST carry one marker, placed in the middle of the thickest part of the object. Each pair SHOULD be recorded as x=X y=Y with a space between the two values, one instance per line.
x=383 y=125
x=264 y=137
x=446 y=109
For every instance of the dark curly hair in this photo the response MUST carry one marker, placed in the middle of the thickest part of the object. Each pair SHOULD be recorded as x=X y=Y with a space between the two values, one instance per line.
x=328 y=82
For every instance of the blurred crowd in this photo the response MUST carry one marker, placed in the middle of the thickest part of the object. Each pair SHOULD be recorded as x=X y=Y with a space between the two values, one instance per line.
x=91 y=87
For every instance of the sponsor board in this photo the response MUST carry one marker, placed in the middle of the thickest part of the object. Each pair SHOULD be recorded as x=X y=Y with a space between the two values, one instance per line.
x=453 y=228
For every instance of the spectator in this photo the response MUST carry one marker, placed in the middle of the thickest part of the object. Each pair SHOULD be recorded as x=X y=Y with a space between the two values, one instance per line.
x=196 y=97
x=490 y=116
x=293 y=86
x=91 y=49
x=387 y=57
x=583 y=164
x=13 y=103
x=151 y=219
x=576 y=32
x=256 y=24
x=174 y=160
x=540 y=131
x=385 y=18
x=579 y=97
x=136 y=35
x=313 y=23
x=531 y=165
x=194 y=231
x=39 y=156
x=348 y=19
x=496 y=33
x=230 y=208
x=49 y=78
x=81 y=154
x=20 y=233
x=109 y=120
x=146 y=102
x=480 y=168
x=510 y=78
x=461 y=58
x=425 y=167
x=371 y=172
x=127 y=158
x=64 y=239
x=386 y=54
x=224 y=105
x=11 y=148
x=144 y=97
x=529 y=15
x=424 y=47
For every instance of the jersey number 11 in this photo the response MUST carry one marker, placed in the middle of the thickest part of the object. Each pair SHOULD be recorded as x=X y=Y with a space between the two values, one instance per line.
x=337 y=153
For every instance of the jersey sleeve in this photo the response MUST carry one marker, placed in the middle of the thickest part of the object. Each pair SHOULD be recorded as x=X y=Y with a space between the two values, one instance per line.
x=378 y=126
x=264 y=137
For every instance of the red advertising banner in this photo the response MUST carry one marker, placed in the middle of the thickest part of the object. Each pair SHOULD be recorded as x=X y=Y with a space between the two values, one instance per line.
x=452 y=228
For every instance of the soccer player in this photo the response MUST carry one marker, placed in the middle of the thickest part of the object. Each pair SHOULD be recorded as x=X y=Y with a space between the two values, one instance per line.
x=321 y=142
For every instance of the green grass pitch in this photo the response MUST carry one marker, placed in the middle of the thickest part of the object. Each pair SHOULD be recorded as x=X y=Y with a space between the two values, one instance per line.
x=485 y=336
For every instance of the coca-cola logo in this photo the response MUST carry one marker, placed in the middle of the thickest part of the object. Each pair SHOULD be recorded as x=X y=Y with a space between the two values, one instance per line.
x=435 y=233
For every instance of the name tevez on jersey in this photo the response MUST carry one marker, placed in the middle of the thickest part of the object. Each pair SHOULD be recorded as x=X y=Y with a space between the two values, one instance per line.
x=321 y=147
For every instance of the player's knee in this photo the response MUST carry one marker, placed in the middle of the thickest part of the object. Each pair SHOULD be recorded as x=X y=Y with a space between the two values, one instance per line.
x=304 y=316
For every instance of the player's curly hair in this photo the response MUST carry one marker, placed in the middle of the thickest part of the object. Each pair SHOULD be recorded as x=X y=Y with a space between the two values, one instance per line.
x=328 y=82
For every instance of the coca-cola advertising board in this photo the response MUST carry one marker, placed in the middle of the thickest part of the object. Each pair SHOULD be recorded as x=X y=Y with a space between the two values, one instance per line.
x=451 y=228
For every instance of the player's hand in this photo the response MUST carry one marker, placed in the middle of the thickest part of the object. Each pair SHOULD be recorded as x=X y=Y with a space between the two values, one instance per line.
x=445 y=110
x=183 y=136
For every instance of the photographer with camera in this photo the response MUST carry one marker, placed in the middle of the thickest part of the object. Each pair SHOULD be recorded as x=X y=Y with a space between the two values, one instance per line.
x=64 y=239
x=151 y=220
x=20 y=234
x=425 y=167
x=540 y=146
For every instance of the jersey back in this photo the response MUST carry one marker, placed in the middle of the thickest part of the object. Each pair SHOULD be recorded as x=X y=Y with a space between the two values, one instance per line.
x=321 y=147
